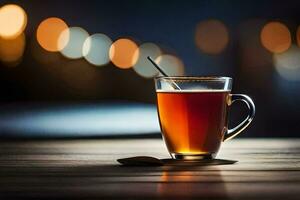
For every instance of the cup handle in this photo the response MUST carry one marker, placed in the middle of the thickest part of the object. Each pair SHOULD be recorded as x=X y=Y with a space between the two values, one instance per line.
x=231 y=133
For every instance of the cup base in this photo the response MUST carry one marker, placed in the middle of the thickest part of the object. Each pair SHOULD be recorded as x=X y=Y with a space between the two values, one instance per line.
x=177 y=156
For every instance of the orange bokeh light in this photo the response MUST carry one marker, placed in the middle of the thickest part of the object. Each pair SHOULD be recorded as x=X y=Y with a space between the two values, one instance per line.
x=124 y=53
x=11 y=50
x=48 y=33
x=211 y=36
x=276 y=37
x=13 y=21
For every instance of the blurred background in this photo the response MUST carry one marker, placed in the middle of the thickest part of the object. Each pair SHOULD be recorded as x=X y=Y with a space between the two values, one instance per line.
x=78 y=68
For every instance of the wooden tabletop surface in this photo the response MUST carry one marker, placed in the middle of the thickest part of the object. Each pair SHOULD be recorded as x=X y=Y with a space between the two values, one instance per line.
x=87 y=169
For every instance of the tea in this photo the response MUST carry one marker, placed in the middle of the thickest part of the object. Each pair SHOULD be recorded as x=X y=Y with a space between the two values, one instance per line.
x=193 y=122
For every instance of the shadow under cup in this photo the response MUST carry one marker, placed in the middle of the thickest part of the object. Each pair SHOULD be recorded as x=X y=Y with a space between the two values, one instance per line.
x=193 y=114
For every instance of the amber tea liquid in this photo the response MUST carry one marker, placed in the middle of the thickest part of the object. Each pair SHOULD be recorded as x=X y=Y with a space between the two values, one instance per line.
x=193 y=122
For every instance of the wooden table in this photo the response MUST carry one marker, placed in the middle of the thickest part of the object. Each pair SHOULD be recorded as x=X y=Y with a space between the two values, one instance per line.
x=87 y=169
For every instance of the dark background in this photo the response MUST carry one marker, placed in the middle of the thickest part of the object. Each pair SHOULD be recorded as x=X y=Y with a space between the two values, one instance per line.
x=171 y=24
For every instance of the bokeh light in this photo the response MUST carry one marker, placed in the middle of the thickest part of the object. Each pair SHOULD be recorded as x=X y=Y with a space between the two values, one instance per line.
x=171 y=65
x=48 y=33
x=287 y=64
x=275 y=37
x=211 y=36
x=11 y=50
x=13 y=20
x=75 y=38
x=96 y=49
x=124 y=53
x=143 y=67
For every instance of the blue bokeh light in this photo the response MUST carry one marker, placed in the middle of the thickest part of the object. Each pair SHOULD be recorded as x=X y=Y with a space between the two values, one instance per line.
x=79 y=120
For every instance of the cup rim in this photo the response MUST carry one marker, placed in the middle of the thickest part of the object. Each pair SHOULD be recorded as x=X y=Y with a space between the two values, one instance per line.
x=200 y=78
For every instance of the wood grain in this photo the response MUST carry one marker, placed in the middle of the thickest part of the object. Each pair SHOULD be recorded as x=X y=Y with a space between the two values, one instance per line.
x=87 y=169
